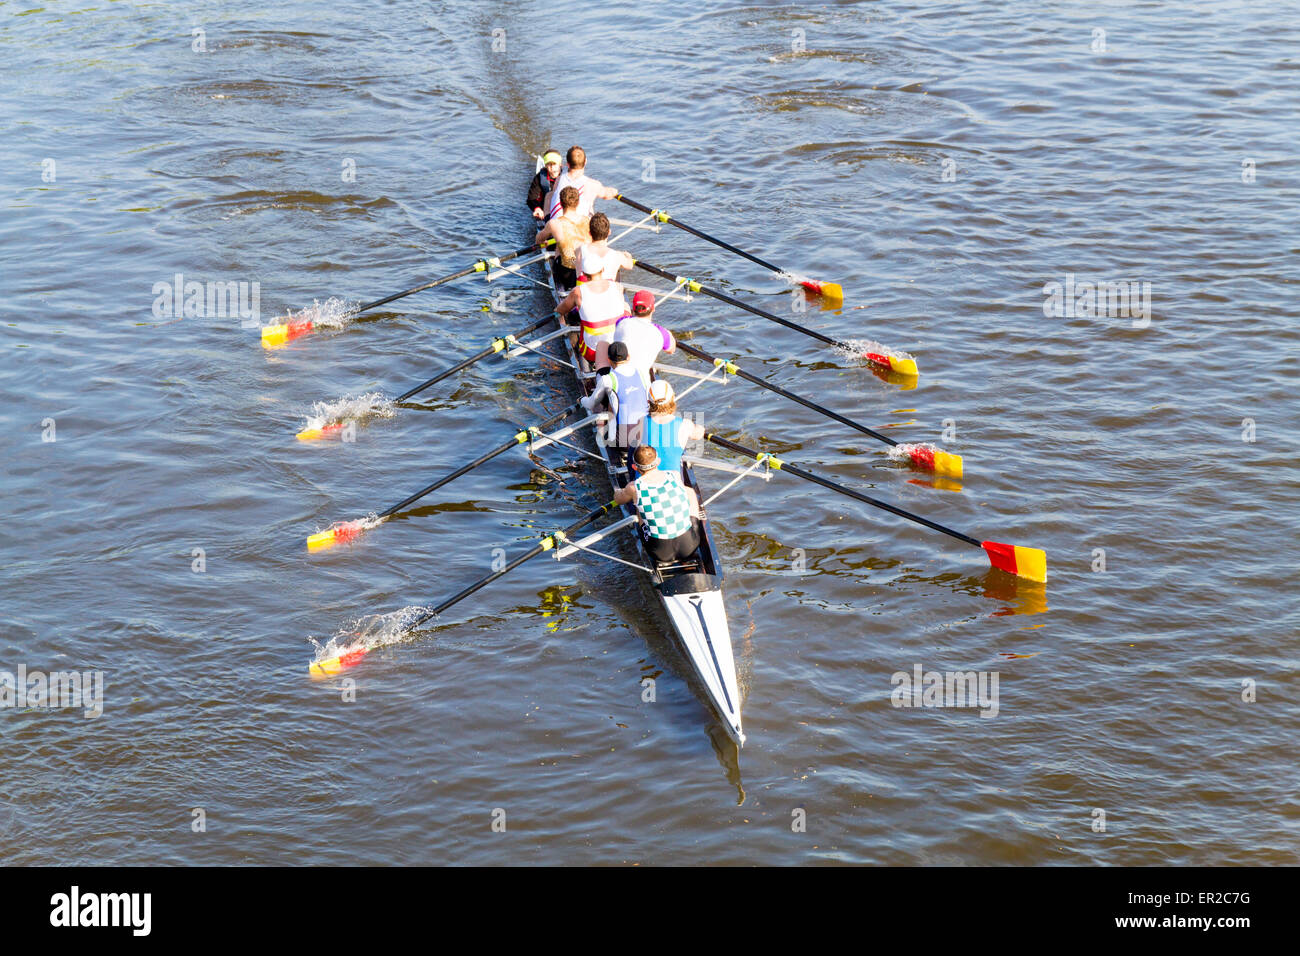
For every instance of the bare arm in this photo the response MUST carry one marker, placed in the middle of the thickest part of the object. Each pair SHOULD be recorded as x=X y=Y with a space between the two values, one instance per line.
x=695 y=503
x=571 y=302
x=545 y=233
x=626 y=494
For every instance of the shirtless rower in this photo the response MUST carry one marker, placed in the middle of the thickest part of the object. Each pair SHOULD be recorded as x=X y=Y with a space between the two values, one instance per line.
x=600 y=305
x=589 y=190
x=569 y=232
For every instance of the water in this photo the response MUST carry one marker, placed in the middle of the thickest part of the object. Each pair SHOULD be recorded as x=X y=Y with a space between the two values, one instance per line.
x=943 y=161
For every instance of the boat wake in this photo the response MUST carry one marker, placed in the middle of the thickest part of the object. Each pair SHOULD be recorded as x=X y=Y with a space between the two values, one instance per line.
x=331 y=419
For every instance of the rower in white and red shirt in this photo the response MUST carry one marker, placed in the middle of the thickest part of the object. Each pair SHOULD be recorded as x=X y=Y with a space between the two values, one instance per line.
x=600 y=305
x=589 y=190
x=644 y=337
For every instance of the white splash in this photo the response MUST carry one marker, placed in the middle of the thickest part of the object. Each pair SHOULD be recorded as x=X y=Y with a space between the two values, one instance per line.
x=370 y=632
x=858 y=346
x=350 y=408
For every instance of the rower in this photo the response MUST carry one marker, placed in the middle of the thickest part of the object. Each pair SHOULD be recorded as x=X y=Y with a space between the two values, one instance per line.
x=664 y=429
x=645 y=338
x=576 y=176
x=667 y=508
x=598 y=226
x=625 y=392
x=569 y=233
x=543 y=183
x=600 y=305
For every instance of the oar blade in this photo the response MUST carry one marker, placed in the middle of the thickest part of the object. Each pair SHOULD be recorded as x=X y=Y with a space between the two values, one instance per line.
x=333 y=666
x=947 y=464
x=273 y=336
x=1027 y=563
x=325 y=431
x=338 y=534
x=831 y=292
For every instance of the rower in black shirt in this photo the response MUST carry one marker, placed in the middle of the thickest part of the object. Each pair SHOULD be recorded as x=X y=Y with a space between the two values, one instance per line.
x=543 y=183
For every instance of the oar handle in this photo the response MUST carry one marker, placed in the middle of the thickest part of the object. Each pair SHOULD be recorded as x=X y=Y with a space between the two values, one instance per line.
x=733 y=369
x=664 y=217
x=545 y=544
x=799 y=472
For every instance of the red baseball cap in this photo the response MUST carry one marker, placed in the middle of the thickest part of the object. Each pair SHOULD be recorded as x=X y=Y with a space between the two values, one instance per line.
x=643 y=303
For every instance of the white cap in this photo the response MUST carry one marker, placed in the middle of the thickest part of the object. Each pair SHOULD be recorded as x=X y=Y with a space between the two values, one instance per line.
x=590 y=262
x=660 y=390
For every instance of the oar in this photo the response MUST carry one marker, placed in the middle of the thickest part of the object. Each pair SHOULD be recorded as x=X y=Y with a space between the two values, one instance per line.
x=924 y=457
x=334 y=665
x=348 y=530
x=1029 y=563
x=830 y=290
x=275 y=335
x=497 y=345
x=895 y=363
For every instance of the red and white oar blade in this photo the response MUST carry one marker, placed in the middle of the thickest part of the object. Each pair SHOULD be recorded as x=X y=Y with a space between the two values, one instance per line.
x=1027 y=563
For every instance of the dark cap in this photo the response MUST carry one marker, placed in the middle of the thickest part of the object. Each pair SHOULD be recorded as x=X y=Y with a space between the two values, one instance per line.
x=618 y=351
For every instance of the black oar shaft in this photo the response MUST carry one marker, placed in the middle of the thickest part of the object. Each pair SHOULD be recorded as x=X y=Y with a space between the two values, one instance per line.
x=731 y=300
x=516 y=439
x=740 y=373
x=798 y=472
x=703 y=235
x=546 y=544
x=480 y=266
x=496 y=346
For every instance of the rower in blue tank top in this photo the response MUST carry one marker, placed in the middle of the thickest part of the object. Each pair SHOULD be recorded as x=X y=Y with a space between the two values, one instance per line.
x=664 y=430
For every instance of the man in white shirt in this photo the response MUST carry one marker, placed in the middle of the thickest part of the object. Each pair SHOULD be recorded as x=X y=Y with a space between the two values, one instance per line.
x=644 y=338
x=589 y=190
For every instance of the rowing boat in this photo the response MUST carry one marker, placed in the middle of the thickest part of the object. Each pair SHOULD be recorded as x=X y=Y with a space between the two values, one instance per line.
x=690 y=592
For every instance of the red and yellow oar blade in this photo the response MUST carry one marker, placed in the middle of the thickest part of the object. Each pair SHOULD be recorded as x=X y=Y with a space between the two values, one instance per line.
x=273 y=336
x=335 y=535
x=929 y=458
x=325 y=431
x=830 y=291
x=902 y=365
x=333 y=666
x=1028 y=563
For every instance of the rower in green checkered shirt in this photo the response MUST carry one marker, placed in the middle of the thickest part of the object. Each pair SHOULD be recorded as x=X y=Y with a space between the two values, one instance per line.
x=667 y=508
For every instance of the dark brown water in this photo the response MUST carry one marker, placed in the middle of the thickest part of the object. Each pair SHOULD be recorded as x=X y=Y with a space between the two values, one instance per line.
x=944 y=161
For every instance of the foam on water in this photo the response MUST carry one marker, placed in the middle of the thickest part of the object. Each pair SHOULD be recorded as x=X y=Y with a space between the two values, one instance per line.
x=353 y=408
x=903 y=452
x=370 y=632
x=333 y=313
x=859 y=346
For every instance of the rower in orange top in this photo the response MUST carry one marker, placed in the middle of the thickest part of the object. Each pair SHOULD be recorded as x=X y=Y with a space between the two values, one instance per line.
x=570 y=233
x=589 y=190
x=600 y=305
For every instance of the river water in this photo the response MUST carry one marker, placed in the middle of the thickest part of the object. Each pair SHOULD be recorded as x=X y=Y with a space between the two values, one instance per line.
x=945 y=162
